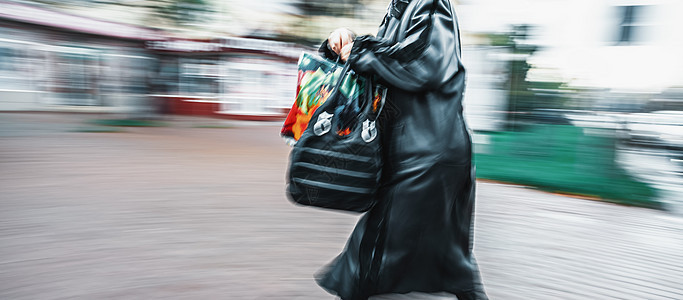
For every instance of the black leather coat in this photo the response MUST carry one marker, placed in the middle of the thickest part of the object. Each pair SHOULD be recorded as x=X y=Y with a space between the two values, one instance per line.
x=419 y=235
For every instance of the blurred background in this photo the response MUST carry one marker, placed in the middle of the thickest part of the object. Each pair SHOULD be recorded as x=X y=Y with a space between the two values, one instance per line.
x=594 y=83
x=575 y=97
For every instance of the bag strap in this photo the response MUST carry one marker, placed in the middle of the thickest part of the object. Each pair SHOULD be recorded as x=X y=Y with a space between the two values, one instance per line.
x=344 y=72
x=366 y=110
x=337 y=86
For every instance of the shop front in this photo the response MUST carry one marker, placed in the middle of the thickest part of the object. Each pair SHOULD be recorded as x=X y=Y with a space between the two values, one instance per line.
x=231 y=78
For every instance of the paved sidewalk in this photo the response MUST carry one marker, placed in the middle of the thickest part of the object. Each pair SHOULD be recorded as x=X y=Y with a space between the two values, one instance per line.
x=182 y=212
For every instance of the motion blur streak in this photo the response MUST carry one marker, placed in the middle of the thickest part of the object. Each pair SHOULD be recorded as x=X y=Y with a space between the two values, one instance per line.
x=140 y=154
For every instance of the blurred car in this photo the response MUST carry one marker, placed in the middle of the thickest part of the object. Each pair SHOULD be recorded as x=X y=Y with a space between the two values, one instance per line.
x=669 y=99
x=659 y=129
x=544 y=116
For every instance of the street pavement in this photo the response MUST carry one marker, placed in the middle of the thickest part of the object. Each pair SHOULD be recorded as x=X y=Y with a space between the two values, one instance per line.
x=197 y=210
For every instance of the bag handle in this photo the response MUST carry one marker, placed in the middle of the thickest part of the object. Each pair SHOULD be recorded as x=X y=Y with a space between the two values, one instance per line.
x=342 y=119
x=344 y=73
x=367 y=110
x=337 y=86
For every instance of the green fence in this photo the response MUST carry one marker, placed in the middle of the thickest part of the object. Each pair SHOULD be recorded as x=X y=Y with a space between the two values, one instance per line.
x=560 y=158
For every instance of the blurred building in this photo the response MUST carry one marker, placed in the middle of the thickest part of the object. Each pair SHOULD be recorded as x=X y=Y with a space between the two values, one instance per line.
x=242 y=78
x=115 y=54
x=52 y=60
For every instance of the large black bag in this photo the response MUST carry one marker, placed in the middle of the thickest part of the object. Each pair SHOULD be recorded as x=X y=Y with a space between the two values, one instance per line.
x=337 y=162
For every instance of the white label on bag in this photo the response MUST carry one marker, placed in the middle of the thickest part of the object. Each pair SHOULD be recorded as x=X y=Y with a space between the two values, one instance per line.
x=324 y=123
x=369 y=132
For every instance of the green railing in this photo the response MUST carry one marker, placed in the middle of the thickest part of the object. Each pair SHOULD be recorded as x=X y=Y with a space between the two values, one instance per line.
x=560 y=158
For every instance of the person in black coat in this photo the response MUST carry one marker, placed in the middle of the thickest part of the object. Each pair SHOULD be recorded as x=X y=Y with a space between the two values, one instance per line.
x=417 y=240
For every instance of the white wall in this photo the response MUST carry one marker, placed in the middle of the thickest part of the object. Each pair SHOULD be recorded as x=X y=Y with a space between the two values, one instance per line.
x=579 y=39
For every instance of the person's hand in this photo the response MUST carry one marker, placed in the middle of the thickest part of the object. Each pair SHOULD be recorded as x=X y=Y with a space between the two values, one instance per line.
x=345 y=51
x=339 y=39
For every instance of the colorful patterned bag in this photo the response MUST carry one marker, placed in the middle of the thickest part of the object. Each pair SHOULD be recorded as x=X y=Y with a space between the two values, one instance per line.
x=316 y=79
x=336 y=162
